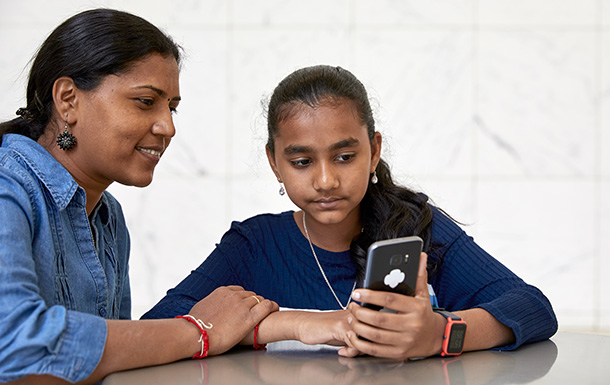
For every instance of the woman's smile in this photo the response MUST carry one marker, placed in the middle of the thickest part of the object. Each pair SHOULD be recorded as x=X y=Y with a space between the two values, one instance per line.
x=151 y=153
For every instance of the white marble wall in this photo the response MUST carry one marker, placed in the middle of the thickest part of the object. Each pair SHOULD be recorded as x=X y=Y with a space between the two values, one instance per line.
x=498 y=109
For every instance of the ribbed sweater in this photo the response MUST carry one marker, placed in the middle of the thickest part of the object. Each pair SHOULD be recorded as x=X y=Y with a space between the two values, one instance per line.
x=269 y=255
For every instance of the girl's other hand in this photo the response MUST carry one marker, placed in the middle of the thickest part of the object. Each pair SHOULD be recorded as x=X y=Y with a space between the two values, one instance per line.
x=328 y=328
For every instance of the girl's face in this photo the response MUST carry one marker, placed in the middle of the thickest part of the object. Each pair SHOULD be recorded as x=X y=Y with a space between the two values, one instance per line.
x=324 y=157
x=124 y=125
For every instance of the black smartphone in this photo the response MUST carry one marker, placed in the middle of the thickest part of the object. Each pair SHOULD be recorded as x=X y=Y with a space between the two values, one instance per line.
x=392 y=265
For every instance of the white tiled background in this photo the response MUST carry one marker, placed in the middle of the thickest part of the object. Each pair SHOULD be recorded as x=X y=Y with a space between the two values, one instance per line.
x=497 y=109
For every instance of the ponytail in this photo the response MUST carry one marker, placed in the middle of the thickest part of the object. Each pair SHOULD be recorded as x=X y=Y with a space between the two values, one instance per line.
x=390 y=211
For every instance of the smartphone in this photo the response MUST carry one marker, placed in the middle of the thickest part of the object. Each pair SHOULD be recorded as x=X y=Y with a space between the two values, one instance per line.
x=392 y=265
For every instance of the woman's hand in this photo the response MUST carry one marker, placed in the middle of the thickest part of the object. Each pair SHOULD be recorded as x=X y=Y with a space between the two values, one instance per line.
x=233 y=312
x=414 y=331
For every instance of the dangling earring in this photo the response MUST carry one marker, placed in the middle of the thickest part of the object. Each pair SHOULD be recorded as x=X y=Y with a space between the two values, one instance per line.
x=282 y=190
x=66 y=140
x=374 y=179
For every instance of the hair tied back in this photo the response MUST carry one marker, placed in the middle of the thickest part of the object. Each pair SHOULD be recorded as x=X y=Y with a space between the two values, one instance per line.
x=24 y=113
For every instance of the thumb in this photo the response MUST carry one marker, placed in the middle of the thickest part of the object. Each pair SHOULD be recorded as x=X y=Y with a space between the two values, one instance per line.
x=421 y=287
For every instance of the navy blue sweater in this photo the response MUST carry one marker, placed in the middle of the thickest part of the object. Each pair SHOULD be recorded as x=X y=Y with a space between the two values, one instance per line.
x=269 y=255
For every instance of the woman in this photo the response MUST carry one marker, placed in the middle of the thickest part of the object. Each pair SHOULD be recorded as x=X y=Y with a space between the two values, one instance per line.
x=100 y=98
x=325 y=153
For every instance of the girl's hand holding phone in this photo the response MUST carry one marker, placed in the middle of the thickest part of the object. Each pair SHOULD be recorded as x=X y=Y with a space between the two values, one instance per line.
x=413 y=331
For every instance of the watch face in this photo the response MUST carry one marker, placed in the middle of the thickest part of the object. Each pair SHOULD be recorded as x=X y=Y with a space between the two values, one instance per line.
x=456 y=338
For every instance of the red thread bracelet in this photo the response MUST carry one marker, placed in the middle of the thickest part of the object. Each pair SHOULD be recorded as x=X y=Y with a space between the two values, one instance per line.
x=256 y=345
x=205 y=344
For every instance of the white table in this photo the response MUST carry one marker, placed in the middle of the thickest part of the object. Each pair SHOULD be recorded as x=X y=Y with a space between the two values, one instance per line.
x=568 y=358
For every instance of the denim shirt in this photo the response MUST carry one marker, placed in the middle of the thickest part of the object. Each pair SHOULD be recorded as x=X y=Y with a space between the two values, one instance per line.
x=61 y=272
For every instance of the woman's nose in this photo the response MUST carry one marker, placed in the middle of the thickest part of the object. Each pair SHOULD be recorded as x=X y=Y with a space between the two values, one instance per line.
x=165 y=126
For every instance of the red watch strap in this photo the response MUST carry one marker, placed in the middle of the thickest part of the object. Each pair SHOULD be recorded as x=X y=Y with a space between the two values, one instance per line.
x=454 y=333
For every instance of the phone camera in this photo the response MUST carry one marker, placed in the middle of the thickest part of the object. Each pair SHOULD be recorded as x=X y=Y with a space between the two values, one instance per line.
x=395 y=260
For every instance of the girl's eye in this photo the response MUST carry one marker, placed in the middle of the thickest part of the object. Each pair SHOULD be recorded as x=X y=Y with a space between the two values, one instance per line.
x=300 y=162
x=345 y=157
x=173 y=110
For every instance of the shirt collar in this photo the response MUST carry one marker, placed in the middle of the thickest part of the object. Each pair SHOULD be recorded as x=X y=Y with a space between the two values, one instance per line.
x=58 y=181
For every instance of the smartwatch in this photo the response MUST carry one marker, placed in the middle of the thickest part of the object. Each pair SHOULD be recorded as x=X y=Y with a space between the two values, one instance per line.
x=453 y=336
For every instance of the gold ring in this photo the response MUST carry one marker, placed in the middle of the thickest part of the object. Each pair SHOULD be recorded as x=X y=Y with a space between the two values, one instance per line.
x=256 y=298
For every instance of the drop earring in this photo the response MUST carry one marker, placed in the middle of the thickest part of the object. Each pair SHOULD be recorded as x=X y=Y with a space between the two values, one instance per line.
x=66 y=140
x=282 y=190
x=374 y=178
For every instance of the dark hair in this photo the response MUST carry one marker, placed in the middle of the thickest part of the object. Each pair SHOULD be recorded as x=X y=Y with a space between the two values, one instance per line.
x=86 y=47
x=387 y=210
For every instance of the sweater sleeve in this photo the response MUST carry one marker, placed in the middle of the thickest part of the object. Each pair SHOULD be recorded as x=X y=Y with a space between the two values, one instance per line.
x=469 y=277
x=218 y=269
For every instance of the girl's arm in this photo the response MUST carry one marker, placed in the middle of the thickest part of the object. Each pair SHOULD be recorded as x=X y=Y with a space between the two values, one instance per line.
x=327 y=327
x=415 y=330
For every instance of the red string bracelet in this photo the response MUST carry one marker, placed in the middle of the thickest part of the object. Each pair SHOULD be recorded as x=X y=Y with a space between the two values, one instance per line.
x=205 y=344
x=256 y=345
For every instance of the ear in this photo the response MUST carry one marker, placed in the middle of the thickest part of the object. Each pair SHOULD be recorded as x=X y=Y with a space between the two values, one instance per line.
x=375 y=151
x=272 y=163
x=65 y=98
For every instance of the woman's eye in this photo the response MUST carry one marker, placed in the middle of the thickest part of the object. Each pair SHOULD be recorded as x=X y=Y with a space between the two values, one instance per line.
x=173 y=110
x=148 y=102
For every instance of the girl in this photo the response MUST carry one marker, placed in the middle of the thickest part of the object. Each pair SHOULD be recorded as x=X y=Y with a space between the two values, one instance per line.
x=325 y=153
x=100 y=98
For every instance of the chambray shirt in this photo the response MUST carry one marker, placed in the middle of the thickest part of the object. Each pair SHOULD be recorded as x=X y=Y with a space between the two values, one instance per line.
x=61 y=272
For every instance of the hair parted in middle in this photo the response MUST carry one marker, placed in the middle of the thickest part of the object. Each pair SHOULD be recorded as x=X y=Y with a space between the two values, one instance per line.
x=387 y=210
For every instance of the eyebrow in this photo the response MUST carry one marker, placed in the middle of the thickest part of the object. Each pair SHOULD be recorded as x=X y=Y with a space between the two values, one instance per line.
x=159 y=91
x=296 y=149
x=351 y=142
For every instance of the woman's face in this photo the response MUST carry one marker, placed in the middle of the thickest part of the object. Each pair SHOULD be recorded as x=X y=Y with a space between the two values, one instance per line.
x=324 y=157
x=124 y=125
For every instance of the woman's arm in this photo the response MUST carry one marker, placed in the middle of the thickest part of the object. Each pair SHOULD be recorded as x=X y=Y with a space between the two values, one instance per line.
x=132 y=344
x=231 y=310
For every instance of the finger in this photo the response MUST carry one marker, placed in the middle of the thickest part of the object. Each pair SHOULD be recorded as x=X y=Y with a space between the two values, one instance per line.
x=370 y=348
x=389 y=334
x=255 y=300
x=421 y=287
x=261 y=310
x=232 y=288
x=363 y=316
x=348 y=352
x=394 y=301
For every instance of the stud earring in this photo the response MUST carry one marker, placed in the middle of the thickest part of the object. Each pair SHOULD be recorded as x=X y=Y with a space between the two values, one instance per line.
x=66 y=140
x=374 y=178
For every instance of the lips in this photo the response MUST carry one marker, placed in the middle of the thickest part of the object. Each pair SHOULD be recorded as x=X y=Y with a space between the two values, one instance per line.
x=327 y=203
x=150 y=153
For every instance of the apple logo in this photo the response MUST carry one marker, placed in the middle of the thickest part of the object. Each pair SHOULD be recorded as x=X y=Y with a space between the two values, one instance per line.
x=394 y=278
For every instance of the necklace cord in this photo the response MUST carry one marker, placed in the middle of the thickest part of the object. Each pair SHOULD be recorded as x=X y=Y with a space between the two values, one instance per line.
x=322 y=270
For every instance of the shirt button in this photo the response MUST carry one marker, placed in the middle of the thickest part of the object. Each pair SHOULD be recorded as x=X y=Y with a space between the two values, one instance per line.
x=103 y=311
